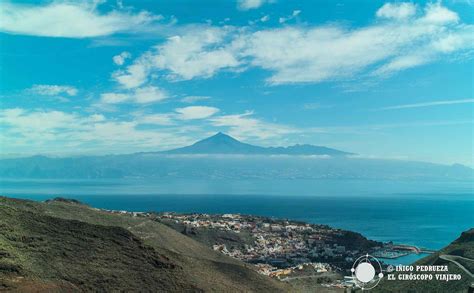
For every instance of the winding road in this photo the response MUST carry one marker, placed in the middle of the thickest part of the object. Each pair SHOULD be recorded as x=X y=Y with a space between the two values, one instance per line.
x=453 y=258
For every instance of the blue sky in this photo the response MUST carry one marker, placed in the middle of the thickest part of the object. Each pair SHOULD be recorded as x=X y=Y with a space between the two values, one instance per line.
x=381 y=79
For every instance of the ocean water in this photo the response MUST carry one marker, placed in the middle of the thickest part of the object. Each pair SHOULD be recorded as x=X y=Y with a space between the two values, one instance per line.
x=425 y=214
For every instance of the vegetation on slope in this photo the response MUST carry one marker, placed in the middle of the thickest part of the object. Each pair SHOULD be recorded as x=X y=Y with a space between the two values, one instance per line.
x=66 y=246
x=464 y=247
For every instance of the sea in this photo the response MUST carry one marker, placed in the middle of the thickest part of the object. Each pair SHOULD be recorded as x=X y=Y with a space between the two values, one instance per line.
x=425 y=214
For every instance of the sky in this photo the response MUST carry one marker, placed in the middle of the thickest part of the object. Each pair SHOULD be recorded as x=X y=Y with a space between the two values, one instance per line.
x=381 y=79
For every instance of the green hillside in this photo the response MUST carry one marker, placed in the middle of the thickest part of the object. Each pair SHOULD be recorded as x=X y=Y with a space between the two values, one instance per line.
x=458 y=256
x=66 y=246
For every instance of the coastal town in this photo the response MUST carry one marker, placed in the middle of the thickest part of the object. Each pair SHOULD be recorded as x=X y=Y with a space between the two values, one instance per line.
x=279 y=248
x=303 y=254
x=284 y=249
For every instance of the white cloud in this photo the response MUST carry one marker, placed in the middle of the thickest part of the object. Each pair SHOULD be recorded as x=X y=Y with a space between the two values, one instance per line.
x=398 y=11
x=250 y=4
x=198 y=53
x=97 y=117
x=135 y=75
x=245 y=126
x=296 y=54
x=429 y=104
x=114 y=98
x=50 y=131
x=149 y=94
x=195 y=112
x=68 y=19
x=463 y=38
x=402 y=62
x=53 y=90
x=144 y=95
x=120 y=58
x=179 y=115
x=294 y=14
x=194 y=99
x=309 y=54
x=38 y=121
x=438 y=14
x=265 y=18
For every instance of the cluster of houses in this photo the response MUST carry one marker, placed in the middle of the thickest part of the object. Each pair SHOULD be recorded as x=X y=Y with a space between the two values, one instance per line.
x=279 y=247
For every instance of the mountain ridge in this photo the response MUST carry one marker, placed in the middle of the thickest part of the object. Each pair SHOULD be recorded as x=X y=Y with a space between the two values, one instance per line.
x=221 y=143
x=221 y=156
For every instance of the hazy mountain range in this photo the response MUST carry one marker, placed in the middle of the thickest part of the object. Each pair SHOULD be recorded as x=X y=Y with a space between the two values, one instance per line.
x=224 y=144
x=222 y=156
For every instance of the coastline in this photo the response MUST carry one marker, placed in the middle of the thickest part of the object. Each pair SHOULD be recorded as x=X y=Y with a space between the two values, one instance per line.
x=188 y=224
x=384 y=218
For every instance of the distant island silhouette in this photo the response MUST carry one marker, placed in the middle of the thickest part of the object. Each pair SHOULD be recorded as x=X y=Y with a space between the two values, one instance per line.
x=222 y=143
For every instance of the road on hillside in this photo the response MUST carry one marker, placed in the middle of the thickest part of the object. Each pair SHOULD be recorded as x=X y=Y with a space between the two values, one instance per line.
x=453 y=258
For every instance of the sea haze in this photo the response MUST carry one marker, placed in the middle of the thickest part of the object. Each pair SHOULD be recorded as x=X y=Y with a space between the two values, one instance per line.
x=223 y=157
x=227 y=166
x=406 y=202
